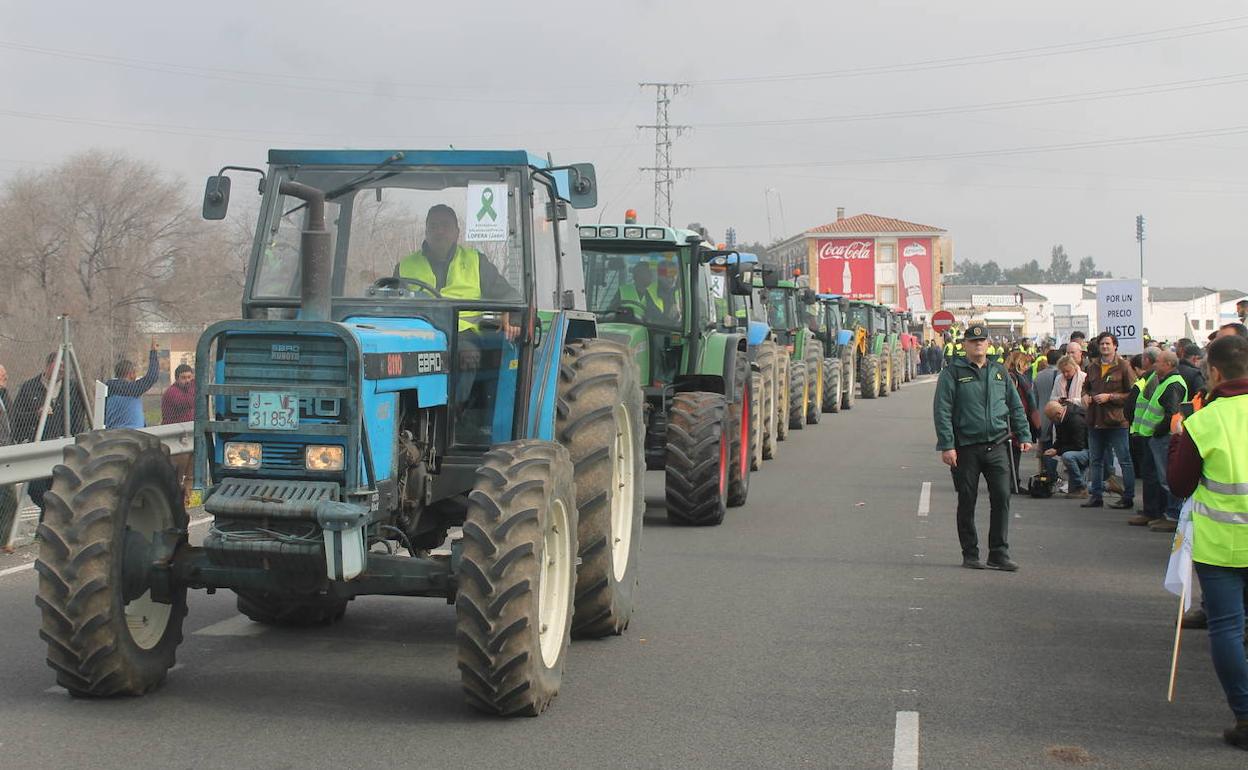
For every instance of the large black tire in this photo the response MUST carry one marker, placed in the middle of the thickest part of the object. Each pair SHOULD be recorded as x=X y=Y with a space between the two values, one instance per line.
x=832 y=385
x=816 y=385
x=784 y=393
x=870 y=370
x=741 y=448
x=110 y=482
x=298 y=611
x=898 y=374
x=513 y=610
x=599 y=420
x=756 y=420
x=849 y=376
x=698 y=438
x=768 y=365
x=799 y=394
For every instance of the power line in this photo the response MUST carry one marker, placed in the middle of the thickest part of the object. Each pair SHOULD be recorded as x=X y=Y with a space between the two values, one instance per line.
x=1118 y=142
x=664 y=173
x=1038 y=101
x=1056 y=49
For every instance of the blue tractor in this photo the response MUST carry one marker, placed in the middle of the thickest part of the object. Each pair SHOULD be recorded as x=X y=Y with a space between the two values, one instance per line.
x=415 y=402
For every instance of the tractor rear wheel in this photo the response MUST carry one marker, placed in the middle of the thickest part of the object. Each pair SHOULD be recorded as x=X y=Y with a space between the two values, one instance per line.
x=756 y=420
x=870 y=376
x=114 y=493
x=513 y=610
x=832 y=385
x=814 y=373
x=298 y=611
x=898 y=373
x=784 y=393
x=598 y=419
x=849 y=377
x=769 y=369
x=799 y=394
x=698 y=440
x=740 y=450
x=886 y=375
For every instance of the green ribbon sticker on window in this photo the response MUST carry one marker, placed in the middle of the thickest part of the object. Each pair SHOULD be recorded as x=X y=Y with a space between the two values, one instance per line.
x=487 y=205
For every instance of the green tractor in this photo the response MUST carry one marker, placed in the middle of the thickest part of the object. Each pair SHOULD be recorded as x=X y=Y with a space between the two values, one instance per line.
x=787 y=311
x=840 y=362
x=869 y=322
x=414 y=402
x=651 y=289
x=890 y=321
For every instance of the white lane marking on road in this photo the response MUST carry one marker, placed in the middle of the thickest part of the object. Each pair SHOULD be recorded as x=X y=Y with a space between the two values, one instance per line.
x=925 y=498
x=239 y=625
x=906 y=741
x=30 y=566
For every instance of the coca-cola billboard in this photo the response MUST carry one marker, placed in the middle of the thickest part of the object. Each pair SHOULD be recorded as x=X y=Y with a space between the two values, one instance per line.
x=847 y=266
x=916 y=274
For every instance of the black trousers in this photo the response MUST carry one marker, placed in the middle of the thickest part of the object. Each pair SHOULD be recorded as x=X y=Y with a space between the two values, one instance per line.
x=992 y=461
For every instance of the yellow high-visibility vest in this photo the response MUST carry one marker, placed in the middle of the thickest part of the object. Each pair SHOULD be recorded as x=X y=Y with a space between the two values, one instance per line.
x=463 y=279
x=1220 y=503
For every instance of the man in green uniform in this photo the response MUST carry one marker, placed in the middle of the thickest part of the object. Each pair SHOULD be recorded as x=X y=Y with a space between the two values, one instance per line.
x=641 y=298
x=976 y=409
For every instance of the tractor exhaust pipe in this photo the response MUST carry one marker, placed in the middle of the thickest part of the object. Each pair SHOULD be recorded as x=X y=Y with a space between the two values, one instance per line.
x=315 y=260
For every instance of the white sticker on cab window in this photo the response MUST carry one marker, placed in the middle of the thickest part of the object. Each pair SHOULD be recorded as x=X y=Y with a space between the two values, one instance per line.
x=486 y=213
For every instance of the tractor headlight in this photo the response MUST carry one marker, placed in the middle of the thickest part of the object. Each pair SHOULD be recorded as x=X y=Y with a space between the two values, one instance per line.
x=322 y=458
x=242 y=454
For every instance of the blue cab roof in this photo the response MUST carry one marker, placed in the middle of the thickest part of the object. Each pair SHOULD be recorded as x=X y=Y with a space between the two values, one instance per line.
x=410 y=158
x=829 y=296
x=742 y=257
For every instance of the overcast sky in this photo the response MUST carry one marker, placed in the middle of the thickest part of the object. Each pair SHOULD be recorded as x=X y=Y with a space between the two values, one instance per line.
x=196 y=86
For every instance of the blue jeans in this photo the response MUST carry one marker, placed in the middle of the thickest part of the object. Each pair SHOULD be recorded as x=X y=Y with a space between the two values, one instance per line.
x=1050 y=463
x=1101 y=442
x=1075 y=463
x=1223 y=590
x=1159 y=446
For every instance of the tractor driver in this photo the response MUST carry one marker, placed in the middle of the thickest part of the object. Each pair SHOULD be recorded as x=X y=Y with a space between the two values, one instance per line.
x=641 y=297
x=668 y=289
x=460 y=272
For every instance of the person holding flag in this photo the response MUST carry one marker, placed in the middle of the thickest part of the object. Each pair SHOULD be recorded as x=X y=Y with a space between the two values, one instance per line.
x=1208 y=461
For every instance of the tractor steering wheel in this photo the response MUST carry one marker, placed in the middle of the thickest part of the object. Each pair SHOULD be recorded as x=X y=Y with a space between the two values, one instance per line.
x=396 y=282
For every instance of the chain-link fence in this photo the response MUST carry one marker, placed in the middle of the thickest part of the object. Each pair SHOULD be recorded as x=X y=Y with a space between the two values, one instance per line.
x=71 y=363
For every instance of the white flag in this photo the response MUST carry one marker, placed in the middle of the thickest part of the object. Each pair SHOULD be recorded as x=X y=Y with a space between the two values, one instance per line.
x=1179 y=571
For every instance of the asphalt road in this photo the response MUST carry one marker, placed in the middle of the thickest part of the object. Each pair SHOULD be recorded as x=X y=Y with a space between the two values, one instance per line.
x=791 y=636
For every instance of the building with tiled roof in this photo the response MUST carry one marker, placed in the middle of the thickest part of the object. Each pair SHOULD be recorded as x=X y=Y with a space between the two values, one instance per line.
x=887 y=260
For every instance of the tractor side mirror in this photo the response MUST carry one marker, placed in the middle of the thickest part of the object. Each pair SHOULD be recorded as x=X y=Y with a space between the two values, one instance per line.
x=771 y=278
x=742 y=283
x=844 y=302
x=582 y=185
x=808 y=297
x=216 y=197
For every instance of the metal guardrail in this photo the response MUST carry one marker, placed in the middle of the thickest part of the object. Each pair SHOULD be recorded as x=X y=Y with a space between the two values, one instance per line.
x=27 y=462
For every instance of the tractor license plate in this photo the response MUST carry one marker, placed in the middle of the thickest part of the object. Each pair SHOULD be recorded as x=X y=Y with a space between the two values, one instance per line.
x=273 y=411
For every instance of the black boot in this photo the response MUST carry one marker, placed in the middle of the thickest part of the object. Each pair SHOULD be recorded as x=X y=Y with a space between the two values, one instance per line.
x=1237 y=736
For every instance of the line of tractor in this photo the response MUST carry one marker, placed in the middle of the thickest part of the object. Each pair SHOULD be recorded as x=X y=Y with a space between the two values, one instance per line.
x=440 y=385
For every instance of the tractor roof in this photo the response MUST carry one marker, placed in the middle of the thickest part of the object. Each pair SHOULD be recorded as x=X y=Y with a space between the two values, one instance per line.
x=830 y=296
x=410 y=158
x=637 y=233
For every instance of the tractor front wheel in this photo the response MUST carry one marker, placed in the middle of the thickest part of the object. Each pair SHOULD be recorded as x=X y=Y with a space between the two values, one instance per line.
x=769 y=369
x=598 y=419
x=814 y=373
x=799 y=394
x=698 y=456
x=740 y=450
x=849 y=377
x=756 y=420
x=513 y=610
x=784 y=393
x=871 y=376
x=832 y=385
x=112 y=498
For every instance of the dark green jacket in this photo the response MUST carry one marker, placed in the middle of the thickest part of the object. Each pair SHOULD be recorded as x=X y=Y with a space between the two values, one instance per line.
x=976 y=406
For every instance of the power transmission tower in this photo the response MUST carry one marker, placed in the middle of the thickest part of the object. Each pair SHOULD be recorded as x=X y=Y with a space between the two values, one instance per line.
x=664 y=173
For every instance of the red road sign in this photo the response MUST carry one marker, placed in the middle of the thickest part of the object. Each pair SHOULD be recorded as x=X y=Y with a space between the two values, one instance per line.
x=942 y=320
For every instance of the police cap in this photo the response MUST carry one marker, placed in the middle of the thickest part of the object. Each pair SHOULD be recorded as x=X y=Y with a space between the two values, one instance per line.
x=976 y=331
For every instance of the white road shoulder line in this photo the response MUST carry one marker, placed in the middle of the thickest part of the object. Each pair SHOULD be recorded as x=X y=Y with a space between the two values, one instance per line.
x=906 y=741
x=30 y=566
x=925 y=498
x=239 y=625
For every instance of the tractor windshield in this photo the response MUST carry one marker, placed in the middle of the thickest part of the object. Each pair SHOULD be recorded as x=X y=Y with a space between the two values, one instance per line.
x=859 y=315
x=780 y=314
x=630 y=285
x=403 y=233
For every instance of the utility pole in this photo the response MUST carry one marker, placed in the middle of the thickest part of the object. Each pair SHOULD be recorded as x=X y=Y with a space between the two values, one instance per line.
x=1139 y=236
x=664 y=173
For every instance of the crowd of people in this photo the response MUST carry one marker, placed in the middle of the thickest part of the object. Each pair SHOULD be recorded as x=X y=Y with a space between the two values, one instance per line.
x=1171 y=417
x=36 y=411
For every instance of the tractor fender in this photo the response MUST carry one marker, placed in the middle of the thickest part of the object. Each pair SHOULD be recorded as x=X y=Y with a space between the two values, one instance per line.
x=556 y=330
x=716 y=371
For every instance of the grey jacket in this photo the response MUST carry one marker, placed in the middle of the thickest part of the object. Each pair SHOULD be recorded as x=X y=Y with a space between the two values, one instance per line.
x=1044 y=391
